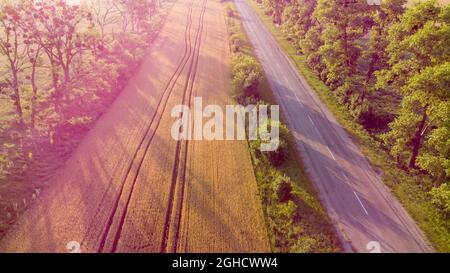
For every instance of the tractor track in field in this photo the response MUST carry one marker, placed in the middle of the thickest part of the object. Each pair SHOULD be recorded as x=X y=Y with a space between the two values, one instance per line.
x=156 y=119
x=187 y=92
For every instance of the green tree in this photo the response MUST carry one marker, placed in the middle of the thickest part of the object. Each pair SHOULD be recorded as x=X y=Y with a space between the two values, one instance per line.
x=419 y=68
x=416 y=41
x=247 y=74
x=309 y=47
x=276 y=7
x=375 y=55
x=342 y=23
x=297 y=20
x=370 y=106
x=441 y=198
x=424 y=116
x=55 y=26
x=435 y=154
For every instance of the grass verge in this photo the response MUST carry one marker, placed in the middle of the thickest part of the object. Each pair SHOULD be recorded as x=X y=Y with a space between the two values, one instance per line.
x=407 y=187
x=294 y=217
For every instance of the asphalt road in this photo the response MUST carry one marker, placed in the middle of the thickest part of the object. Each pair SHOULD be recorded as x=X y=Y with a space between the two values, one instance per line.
x=361 y=207
x=130 y=187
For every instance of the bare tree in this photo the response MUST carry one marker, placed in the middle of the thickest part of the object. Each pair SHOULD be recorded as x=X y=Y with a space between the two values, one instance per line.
x=12 y=47
x=105 y=14
x=33 y=53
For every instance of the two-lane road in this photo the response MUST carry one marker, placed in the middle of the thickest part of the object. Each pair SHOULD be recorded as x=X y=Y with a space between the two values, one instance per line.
x=361 y=207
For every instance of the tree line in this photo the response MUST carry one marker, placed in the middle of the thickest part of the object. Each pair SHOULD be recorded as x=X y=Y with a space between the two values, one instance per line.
x=61 y=64
x=388 y=64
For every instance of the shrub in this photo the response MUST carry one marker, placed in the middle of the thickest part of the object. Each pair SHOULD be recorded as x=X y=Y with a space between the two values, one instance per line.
x=279 y=156
x=287 y=211
x=237 y=43
x=230 y=11
x=283 y=188
x=441 y=198
x=247 y=74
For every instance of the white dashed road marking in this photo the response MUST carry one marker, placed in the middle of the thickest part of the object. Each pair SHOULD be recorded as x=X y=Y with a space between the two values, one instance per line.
x=359 y=200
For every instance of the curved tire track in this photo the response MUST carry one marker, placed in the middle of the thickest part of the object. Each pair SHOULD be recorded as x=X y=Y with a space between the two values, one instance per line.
x=156 y=119
x=189 y=85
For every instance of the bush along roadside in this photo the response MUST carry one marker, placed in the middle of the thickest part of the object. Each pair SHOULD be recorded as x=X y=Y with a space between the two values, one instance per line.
x=295 y=219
